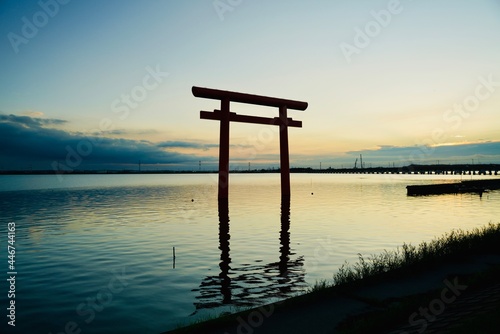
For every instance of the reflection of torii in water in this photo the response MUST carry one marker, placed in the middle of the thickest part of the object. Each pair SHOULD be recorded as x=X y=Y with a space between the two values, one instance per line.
x=281 y=279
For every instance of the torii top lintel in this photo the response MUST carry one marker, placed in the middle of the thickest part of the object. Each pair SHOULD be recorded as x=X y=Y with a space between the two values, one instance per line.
x=216 y=94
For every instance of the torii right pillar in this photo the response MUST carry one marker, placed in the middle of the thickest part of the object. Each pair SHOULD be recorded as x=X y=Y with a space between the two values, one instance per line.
x=284 y=154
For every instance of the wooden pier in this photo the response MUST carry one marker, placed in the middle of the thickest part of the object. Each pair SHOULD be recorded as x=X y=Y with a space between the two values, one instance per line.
x=471 y=186
x=456 y=169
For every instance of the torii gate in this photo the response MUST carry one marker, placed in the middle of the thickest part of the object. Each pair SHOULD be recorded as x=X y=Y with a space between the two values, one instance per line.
x=225 y=116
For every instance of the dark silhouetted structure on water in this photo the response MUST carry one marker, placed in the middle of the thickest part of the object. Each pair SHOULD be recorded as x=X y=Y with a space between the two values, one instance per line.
x=225 y=117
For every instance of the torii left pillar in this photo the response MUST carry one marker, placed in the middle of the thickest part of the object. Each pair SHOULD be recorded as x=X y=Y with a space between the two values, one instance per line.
x=225 y=117
x=224 y=150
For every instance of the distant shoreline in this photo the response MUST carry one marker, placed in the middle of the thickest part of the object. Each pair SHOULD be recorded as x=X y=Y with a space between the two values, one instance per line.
x=437 y=169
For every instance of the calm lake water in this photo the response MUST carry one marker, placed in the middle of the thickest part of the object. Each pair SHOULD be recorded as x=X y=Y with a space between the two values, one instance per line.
x=95 y=252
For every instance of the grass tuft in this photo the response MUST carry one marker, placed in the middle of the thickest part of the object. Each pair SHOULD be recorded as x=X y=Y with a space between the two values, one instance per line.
x=319 y=286
x=451 y=246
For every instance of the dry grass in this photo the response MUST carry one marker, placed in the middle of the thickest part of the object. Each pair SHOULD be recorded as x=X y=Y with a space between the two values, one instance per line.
x=451 y=246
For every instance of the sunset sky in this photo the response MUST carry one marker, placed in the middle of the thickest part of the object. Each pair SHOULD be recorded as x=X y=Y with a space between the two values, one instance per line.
x=106 y=84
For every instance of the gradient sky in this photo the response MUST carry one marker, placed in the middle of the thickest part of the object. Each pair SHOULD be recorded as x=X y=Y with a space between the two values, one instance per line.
x=397 y=81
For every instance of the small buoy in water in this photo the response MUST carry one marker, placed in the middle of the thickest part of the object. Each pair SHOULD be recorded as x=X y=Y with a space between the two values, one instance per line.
x=312 y=193
x=192 y=199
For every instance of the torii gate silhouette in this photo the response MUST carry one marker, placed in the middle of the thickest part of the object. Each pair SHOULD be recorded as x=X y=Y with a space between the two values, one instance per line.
x=225 y=116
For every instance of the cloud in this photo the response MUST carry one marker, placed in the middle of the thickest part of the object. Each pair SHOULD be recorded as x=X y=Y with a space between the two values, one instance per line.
x=197 y=145
x=30 y=121
x=124 y=132
x=33 y=113
x=186 y=144
x=26 y=140
x=489 y=151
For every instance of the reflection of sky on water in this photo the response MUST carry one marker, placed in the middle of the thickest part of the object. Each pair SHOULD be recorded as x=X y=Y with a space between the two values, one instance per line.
x=71 y=238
